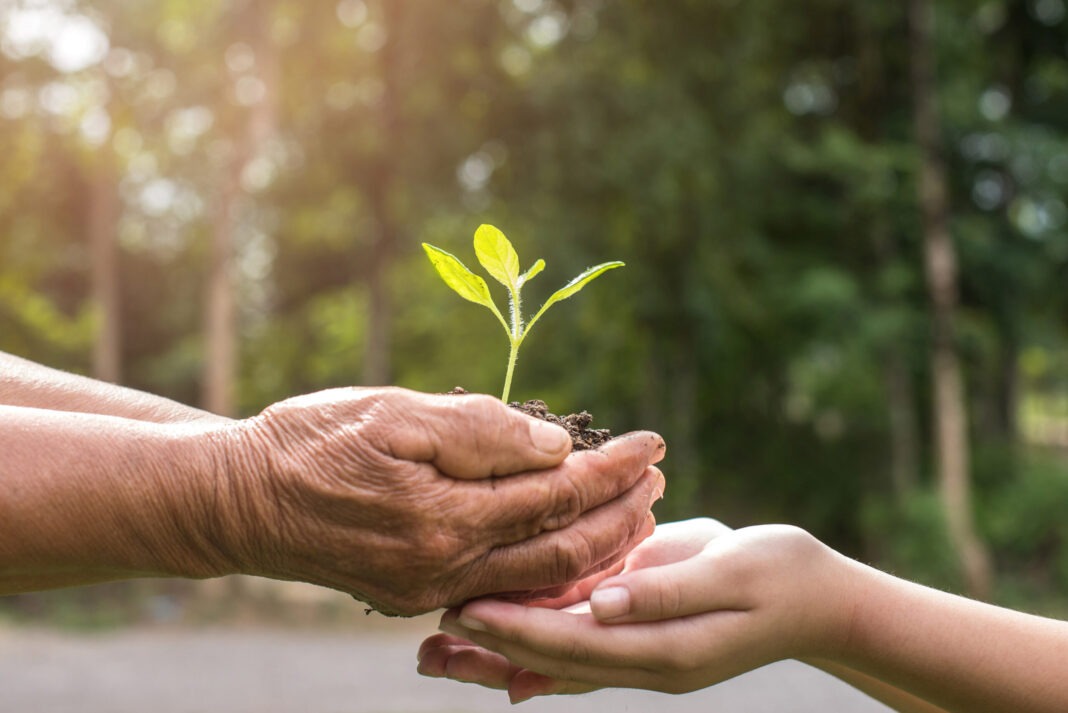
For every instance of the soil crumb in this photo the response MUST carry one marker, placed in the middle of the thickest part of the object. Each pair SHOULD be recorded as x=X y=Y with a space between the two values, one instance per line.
x=577 y=425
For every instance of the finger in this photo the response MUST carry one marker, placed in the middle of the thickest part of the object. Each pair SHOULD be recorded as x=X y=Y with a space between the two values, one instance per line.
x=567 y=651
x=580 y=592
x=439 y=641
x=449 y=656
x=525 y=505
x=549 y=641
x=577 y=638
x=471 y=436
x=468 y=663
x=446 y=656
x=434 y=662
x=675 y=541
x=560 y=557
x=702 y=583
x=474 y=664
x=527 y=684
x=571 y=594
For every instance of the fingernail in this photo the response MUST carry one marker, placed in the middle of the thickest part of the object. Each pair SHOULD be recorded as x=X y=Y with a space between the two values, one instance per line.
x=658 y=491
x=429 y=674
x=610 y=602
x=548 y=438
x=471 y=623
x=450 y=625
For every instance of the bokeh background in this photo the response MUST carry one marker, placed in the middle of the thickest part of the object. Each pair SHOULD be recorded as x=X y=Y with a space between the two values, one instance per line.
x=222 y=201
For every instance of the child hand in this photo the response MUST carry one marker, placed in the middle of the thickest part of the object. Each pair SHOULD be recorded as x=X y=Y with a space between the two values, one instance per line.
x=693 y=605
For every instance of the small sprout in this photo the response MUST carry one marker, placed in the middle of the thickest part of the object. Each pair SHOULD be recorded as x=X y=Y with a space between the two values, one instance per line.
x=500 y=260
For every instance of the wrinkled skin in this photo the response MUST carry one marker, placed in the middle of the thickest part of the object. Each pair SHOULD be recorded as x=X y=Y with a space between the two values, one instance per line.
x=413 y=502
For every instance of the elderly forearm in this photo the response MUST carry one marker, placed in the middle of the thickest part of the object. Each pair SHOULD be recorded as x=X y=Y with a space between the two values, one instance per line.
x=87 y=498
x=25 y=383
x=958 y=654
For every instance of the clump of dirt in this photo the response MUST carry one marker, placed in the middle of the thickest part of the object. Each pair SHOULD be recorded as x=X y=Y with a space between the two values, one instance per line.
x=577 y=425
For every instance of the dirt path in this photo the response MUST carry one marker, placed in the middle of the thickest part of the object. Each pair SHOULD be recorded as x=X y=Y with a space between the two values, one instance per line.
x=285 y=671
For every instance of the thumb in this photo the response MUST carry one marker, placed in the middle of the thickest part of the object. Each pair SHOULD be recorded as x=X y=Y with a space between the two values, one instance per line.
x=692 y=586
x=473 y=436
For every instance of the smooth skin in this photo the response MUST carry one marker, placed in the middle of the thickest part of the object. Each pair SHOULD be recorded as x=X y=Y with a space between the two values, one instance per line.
x=408 y=501
x=697 y=603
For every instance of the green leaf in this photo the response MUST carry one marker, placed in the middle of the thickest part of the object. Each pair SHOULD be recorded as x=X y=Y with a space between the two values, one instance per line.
x=456 y=275
x=572 y=287
x=534 y=270
x=581 y=281
x=497 y=255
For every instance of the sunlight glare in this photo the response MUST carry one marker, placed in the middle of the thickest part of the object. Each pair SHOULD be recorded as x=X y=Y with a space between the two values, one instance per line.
x=352 y=13
x=71 y=43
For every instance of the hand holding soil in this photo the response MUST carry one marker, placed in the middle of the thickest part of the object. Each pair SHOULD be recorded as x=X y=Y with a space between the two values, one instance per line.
x=398 y=498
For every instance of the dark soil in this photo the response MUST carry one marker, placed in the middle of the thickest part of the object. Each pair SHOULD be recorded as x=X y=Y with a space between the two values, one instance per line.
x=576 y=424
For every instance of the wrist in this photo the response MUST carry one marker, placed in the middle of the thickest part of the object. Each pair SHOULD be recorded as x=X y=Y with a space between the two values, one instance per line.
x=176 y=500
x=843 y=586
x=204 y=506
x=231 y=506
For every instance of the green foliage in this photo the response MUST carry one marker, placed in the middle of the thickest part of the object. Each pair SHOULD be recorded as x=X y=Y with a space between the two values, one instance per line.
x=497 y=255
x=920 y=546
x=1024 y=521
x=757 y=177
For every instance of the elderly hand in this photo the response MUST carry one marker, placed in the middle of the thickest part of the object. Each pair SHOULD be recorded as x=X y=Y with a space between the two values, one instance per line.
x=398 y=498
x=693 y=605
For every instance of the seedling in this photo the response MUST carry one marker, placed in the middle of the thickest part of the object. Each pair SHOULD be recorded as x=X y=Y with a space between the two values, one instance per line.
x=500 y=260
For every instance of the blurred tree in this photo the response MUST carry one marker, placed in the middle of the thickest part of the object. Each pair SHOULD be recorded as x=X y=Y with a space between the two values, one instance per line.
x=102 y=223
x=254 y=59
x=377 y=367
x=951 y=426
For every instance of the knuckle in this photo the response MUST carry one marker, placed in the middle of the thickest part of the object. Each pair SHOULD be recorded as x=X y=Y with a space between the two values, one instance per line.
x=438 y=547
x=478 y=420
x=572 y=556
x=568 y=505
x=577 y=651
x=669 y=600
x=483 y=415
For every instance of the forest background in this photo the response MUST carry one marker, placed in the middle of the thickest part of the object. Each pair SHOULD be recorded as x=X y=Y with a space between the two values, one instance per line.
x=845 y=304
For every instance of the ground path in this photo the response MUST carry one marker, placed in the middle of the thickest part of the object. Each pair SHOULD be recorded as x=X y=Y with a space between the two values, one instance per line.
x=255 y=670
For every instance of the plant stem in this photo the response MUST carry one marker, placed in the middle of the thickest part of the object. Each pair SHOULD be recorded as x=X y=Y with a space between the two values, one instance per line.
x=515 y=338
x=513 y=353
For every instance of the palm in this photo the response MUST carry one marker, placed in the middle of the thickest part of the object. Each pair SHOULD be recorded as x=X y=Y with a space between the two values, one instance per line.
x=444 y=655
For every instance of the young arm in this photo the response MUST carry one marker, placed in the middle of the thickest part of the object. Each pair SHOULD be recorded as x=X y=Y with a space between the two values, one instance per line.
x=881 y=691
x=956 y=653
x=25 y=383
x=754 y=596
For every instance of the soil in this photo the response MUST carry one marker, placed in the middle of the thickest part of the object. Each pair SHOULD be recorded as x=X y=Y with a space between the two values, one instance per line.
x=577 y=425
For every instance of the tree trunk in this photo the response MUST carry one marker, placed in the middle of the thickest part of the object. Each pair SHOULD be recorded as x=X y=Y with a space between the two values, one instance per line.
x=900 y=397
x=1008 y=391
x=220 y=348
x=950 y=415
x=377 y=362
x=103 y=222
x=904 y=448
x=220 y=317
